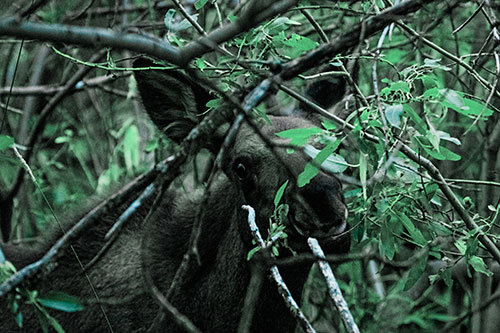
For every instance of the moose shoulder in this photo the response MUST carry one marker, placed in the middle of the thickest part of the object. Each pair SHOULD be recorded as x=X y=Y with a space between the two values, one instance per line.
x=212 y=295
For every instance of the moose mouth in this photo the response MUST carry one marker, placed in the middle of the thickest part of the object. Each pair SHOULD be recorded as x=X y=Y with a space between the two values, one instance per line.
x=311 y=226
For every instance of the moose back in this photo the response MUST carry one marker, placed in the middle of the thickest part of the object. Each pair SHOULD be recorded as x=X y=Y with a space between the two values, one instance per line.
x=212 y=294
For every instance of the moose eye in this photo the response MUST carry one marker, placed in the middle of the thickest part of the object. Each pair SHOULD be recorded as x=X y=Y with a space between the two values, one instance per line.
x=241 y=170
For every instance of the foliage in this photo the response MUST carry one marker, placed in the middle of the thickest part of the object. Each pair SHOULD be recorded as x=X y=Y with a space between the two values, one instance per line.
x=53 y=299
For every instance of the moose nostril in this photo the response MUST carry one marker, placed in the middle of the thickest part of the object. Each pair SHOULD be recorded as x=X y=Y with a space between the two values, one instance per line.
x=325 y=199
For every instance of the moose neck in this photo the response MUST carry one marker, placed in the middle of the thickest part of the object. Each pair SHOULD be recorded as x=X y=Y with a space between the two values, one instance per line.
x=211 y=293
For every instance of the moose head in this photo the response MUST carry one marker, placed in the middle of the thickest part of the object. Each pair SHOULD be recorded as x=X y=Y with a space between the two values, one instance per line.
x=255 y=165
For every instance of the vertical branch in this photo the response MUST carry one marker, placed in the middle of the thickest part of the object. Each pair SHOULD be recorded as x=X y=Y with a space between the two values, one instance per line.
x=333 y=287
x=275 y=274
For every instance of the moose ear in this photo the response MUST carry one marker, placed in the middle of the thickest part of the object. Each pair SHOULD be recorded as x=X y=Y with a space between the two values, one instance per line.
x=327 y=92
x=172 y=100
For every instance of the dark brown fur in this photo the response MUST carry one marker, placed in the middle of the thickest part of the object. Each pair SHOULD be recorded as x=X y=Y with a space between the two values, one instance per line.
x=212 y=296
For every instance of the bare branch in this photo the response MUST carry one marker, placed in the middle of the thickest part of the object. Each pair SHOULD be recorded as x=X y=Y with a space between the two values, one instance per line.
x=282 y=288
x=49 y=90
x=333 y=287
x=92 y=37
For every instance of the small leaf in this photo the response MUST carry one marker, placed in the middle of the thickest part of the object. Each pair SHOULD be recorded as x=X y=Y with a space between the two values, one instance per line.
x=299 y=136
x=434 y=63
x=415 y=233
x=363 y=169
x=131 y=142
x=6 y=142
x=310 y=171
x=479 y=266
x=174 y=26
x=419 y=123
x=402 y=86
x=55 y=324
x=199 y=4
x=416 y=272
x=324 y=158
x=476 y=108
x=200 y=63
x=453 y=100
x=393 y=114
x=252 y=252
x=432 y=135
x=168 y=20
x=432 y=93
x=61 y=301
x=279 y=193
x=328 y=125
x=386 y=245
x=448 y=137
x=461 y=246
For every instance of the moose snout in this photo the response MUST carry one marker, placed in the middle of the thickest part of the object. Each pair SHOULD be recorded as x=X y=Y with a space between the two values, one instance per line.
x=323 y=202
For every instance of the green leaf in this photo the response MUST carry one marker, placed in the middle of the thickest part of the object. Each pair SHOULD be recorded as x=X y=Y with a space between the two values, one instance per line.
x=252 y=252
x=295 y=45
x=199 y=4
x=466 y=106
x=328 y=125
x=200 y=63
x=363 y=170
x=479 y=266
x=60 y=301
x=324 y=158
x=330 y=162
x=386 y=245
x=476 y=108
x=398 y=86
x=434 y=64
x=6 y=270
x=448 y=154
x=416 y=272
x=131 y=148
x=420 y=125
x=279 y=194
x=55 y=324
x=414 y=233
x=6 y=142
x=393 y=114
x=299 y=136
x=310 y=171
x=431 y=94
x=461 y=246
x=432 y=135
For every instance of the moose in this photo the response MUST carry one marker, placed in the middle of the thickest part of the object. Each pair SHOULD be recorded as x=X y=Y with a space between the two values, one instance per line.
x=214 y=290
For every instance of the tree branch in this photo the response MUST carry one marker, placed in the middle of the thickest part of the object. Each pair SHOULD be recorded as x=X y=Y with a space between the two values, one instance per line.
x=92 y=37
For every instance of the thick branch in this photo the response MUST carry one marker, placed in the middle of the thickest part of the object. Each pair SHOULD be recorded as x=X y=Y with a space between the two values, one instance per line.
x=92 y=37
